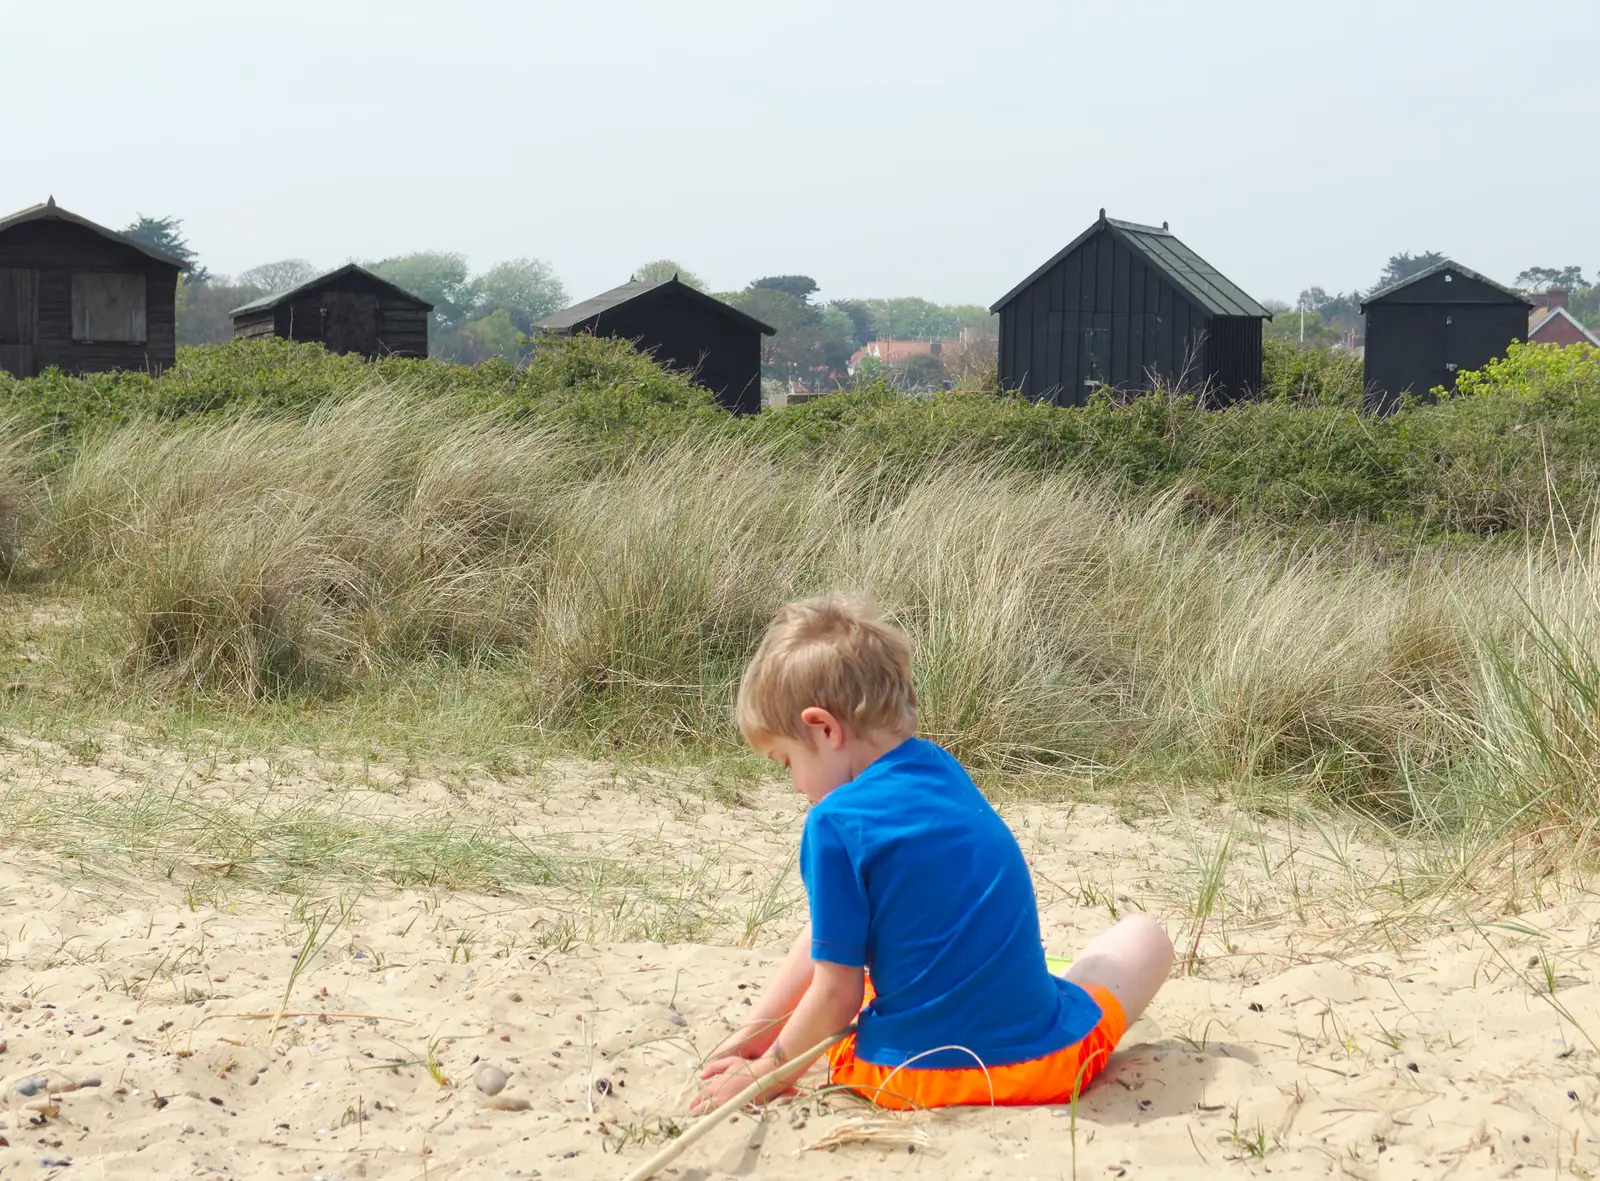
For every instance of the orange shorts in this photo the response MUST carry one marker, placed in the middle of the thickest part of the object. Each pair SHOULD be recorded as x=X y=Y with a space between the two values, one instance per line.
x=1055 y=1078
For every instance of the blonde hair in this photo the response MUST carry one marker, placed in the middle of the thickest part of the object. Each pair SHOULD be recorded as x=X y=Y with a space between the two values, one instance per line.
x=838 y=653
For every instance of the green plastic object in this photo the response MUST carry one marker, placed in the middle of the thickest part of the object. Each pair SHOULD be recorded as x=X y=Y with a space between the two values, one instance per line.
x=1057 y=963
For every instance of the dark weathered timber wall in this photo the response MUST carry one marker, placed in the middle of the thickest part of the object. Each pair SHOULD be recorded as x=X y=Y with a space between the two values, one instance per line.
x=19 y=321
x=304 y=318
x=401 y=329
x=1423 y=334
x=1100 y=315
x=258 y=324
x=1413 y=347
x=1233 y=358
x=57 y=250
x=681 y=332
x=1445 y=286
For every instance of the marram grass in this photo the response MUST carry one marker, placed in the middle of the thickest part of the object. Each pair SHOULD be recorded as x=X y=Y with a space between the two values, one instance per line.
x=389 y=539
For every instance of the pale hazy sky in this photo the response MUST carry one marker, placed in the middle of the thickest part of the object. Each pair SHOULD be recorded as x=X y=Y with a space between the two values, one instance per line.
x=884 y=148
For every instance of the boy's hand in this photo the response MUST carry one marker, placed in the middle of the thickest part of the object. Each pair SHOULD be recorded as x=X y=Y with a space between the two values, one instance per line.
x=742 y=1046
x=726 y=1077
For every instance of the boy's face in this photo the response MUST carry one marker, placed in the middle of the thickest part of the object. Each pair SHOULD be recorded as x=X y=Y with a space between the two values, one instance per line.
x=815 y=767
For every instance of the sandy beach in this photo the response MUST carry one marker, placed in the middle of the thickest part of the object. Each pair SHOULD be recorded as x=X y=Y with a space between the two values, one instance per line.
x=168 y=1012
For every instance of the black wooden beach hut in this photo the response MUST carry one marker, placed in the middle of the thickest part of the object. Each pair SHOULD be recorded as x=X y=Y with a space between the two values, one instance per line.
x=682 y=328
x=349 y=310
x=83 y=298
x=1424 y=330
x=1120 y=305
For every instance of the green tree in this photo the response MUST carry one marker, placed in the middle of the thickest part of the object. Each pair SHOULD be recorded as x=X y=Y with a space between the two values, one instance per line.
x=666 y=268
x=204 y=309
x=973 y=316
x=439 y=277
x=273 y=277
x=909 y=318
x=494 y=335
x=1584 y=304
x=1318 y=332
x=1332 y=306
x=1403 y=265
x=795 y=353
x=860 y=319
x=526 y=289
x=836 y=339
x=1546 y=278
x=166 y=235
x=923 y=372
x=869 y=371
x=801 y=287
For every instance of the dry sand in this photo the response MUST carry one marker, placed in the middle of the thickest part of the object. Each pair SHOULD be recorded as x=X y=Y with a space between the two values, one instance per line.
x=1330 y=1024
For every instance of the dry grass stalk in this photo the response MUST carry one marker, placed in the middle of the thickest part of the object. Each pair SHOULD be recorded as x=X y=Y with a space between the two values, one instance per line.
x=385 y=540
x=879 y=1132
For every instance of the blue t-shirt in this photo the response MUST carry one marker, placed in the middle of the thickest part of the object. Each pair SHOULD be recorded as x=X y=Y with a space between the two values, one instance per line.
x=912 y=875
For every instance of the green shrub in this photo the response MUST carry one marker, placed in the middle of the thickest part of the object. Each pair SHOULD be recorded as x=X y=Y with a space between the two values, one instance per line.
x=613 y=577
x=603 y=391
x=1311 y=375
x=599 y=388
x=1517 y=448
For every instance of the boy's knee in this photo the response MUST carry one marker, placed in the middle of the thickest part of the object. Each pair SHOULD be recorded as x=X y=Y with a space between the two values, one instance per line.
x=1132 y=961
x=1148 y=930
x=1142 y=943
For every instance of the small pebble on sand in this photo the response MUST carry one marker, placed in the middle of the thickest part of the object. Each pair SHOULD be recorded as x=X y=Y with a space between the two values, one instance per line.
x=32 y=1085
x=491 y=1080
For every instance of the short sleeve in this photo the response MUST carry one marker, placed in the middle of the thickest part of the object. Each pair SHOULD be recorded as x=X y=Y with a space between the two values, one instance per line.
x=834 y=891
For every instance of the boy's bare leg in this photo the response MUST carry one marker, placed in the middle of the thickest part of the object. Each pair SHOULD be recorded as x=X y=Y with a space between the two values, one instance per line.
x=1131 y=961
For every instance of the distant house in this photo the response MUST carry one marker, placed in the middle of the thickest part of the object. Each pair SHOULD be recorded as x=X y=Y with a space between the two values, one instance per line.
x=1424 y=330
x=1550 y=323
x=682 y=328
x=1122 y=305
x=896 y=353
x=349 y=310
x=82 y=298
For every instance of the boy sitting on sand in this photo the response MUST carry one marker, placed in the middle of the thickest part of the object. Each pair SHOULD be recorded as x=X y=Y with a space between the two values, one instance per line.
x=921 y=903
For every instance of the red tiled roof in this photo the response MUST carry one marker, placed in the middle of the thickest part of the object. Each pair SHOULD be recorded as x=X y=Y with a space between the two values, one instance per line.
x=892 y=352
x=1558 y=326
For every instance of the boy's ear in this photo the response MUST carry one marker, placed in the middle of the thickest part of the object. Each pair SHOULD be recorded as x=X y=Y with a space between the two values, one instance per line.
x=824 y=725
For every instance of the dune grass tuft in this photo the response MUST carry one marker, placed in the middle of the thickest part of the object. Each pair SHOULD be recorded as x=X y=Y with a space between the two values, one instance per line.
x=386 y=543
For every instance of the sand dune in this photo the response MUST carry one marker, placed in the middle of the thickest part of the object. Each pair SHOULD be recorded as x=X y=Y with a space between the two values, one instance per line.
x=1334 y=1018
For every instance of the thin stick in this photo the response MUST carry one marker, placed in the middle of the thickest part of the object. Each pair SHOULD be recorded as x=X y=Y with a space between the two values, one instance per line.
x=790 y=1069
x=319 y=1013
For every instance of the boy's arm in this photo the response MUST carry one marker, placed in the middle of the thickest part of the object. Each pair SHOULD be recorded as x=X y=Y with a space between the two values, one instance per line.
x=829 y=1005
x=774 y=1008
